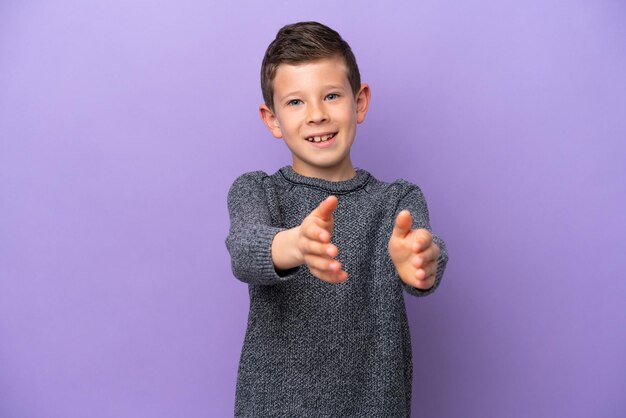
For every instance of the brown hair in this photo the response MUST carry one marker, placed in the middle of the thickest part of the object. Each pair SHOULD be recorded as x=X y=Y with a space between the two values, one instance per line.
x=302 y=42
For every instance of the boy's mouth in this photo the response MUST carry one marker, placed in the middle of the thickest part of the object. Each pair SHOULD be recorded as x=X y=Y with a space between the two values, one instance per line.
x=321 y=138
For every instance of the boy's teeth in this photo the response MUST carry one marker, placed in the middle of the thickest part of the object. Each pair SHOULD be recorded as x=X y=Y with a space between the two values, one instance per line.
x=322 y=138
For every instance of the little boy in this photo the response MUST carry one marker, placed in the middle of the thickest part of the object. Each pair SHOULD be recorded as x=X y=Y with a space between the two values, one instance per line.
x=325 y=248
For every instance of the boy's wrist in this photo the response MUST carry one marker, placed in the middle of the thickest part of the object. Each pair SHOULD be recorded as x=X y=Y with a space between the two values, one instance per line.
x=294 y=247
x=285 y=252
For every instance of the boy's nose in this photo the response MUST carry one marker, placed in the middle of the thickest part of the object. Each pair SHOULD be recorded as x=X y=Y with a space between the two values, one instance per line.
x=317 y=114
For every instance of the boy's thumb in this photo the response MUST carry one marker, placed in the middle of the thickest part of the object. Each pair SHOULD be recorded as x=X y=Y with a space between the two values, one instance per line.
x=327 y=207
x=403 y=223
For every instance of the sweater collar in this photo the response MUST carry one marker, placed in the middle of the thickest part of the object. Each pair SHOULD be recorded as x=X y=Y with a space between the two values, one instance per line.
x=339 y=187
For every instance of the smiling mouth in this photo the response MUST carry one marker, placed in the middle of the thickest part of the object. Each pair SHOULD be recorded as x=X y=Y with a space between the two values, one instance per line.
x=322 y=138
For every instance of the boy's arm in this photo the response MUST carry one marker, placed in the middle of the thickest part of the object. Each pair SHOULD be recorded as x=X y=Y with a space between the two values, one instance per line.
x=262 y=253
x=252 y=231
x=419 y=256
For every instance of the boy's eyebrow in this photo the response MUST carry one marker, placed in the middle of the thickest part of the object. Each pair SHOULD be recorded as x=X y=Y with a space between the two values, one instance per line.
x=335 y=87
x=291 y=93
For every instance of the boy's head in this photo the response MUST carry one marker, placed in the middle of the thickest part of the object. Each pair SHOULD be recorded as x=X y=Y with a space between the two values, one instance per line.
x=314 y=98
x=305 y=42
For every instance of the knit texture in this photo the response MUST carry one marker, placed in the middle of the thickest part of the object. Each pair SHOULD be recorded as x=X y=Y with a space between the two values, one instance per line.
x=314 y=349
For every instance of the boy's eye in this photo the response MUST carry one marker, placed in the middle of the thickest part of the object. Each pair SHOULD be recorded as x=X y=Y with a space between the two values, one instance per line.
x=294 y=102
x=332 y=96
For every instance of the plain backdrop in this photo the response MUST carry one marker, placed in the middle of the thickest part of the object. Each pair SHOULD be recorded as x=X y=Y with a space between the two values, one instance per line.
x=123 y=124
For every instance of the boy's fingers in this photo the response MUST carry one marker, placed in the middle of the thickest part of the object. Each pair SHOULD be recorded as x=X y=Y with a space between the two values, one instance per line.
x=425 y=271
x=323 y=264
x=331 y=250
x=403 y=224
x=322 y=249
x=429 y=281
x=431 y=269
x=329 y=277
x=325 y=209
x=422 y=240
x=317 y=233
x=429 y=255
x=426 y=283
x=418 y=261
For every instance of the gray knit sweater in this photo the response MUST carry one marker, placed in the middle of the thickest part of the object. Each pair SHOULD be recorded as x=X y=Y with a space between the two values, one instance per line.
x=314 y=349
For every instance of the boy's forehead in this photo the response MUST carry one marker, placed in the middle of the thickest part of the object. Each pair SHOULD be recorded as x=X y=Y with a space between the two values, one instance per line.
x=334 y=69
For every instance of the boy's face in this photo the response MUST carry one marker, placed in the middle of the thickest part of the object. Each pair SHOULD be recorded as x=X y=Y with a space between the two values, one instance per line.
x=316 y=113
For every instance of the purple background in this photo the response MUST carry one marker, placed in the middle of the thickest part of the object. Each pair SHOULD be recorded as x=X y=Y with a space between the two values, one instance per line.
x=123 y=124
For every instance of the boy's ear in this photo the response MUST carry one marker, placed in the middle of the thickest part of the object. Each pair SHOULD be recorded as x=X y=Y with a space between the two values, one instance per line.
x=362 y=102
x=270 y=120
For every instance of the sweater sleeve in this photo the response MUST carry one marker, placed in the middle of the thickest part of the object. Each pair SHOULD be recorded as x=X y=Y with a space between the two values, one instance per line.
x=252 y=231
x=415 y=203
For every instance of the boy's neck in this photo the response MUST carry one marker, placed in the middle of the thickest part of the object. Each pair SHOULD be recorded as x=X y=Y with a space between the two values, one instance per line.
x=342 y=173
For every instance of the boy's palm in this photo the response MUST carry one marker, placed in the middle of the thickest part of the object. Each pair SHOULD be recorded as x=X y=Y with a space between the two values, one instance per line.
x=413 y=252
x=314 y=243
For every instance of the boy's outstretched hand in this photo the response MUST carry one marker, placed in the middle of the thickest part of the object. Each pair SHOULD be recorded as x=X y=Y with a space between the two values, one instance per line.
x=413 y=252
x=314 y=243
x=309 y=243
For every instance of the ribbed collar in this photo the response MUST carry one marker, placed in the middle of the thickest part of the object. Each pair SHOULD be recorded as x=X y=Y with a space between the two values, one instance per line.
x=339 y=187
